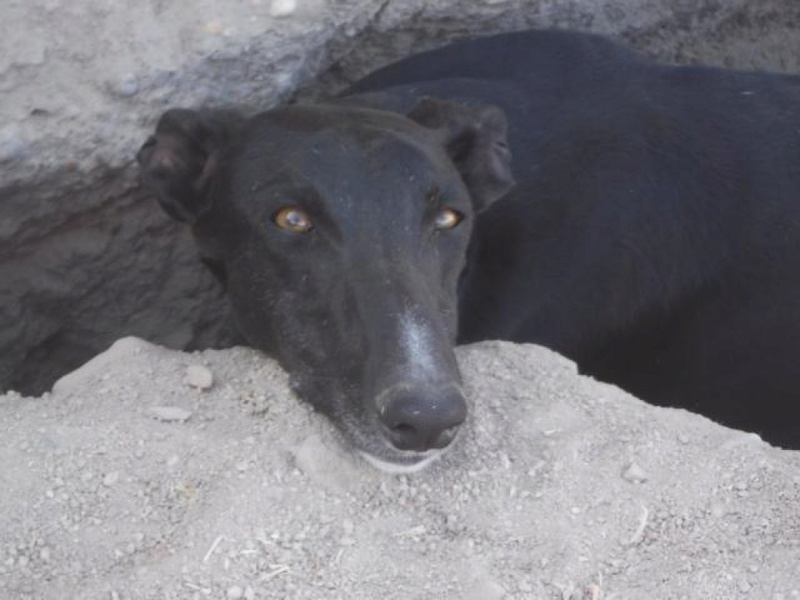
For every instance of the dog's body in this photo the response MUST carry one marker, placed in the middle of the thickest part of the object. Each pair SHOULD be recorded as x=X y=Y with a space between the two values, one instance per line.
x=653 y=234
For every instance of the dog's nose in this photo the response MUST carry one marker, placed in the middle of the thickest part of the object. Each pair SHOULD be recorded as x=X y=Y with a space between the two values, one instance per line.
x=420 y=420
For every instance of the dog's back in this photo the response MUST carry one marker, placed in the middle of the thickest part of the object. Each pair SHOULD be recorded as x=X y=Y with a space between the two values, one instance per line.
x=654 y=233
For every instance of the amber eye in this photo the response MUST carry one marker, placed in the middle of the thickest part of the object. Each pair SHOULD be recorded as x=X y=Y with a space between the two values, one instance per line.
x=292 y=218
x=447 y=218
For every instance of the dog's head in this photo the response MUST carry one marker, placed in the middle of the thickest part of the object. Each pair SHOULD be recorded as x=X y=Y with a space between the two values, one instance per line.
x=340 y=234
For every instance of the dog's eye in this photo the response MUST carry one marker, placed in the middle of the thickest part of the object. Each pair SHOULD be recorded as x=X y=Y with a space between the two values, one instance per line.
x=447 y=218
x=292 y=218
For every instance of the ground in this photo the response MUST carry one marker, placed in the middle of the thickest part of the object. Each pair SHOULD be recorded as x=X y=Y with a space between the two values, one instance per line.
x=135 y=479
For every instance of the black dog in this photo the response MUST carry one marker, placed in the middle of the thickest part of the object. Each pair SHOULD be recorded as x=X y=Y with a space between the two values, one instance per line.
x=653 y=235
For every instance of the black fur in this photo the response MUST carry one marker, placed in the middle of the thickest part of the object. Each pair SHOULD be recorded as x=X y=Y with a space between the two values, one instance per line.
x=653 y=235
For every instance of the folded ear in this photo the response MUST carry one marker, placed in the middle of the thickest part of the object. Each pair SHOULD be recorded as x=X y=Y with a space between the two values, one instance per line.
x=181 y=159
x=475 y=138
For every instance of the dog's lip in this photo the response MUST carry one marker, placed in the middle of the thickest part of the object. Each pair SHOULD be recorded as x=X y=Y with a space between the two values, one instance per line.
x=402 y=462
x=387 y=458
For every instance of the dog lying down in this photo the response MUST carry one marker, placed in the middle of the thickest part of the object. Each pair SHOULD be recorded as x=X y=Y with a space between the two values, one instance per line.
x=543 y=186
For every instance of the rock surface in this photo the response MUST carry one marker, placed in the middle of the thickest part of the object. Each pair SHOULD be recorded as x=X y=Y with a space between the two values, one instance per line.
x=86 y=257
x=82 y=81
x=558 y=488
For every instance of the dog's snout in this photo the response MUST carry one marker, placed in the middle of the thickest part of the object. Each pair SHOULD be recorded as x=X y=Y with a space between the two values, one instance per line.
x=422 y=420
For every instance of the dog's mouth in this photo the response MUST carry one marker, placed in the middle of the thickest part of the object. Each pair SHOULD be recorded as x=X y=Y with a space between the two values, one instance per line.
x=371 y=442
x=402 y=462
x=368 y=439
x=364 y=432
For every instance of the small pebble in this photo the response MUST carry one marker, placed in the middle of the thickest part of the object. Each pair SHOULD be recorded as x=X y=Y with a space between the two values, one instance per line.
x=634 y=473
x=111 y=478
x=282 y=8
x=717 y=510
x=235 y=592
x=44 y=554
x=127 y=86
x=199 y=377
x=486 y=590
x=169 y=413
x=213 y=27
x=11 y=147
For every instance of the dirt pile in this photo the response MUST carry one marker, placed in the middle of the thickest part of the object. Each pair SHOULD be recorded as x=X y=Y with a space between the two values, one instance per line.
x=135 y=479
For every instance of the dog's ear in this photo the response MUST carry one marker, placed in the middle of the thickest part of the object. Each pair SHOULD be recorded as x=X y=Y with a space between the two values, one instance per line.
x=181 y=159
x=475 y=138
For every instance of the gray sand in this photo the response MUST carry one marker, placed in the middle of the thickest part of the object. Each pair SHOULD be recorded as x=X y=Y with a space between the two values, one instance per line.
x=134 y=479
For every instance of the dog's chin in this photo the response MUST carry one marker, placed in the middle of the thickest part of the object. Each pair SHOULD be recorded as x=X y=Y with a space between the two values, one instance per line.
x=402 y=462
x=379 y=452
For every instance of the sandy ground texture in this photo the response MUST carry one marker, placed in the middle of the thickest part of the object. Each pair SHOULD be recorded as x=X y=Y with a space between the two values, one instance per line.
x=150 y=473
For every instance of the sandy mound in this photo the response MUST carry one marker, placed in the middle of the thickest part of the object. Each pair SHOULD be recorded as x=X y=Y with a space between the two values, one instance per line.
x=132 y=481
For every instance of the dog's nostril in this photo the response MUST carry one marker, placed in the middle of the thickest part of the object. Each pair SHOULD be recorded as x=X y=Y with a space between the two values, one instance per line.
x=403 y=429
x=403 y=436
x=421 y=422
